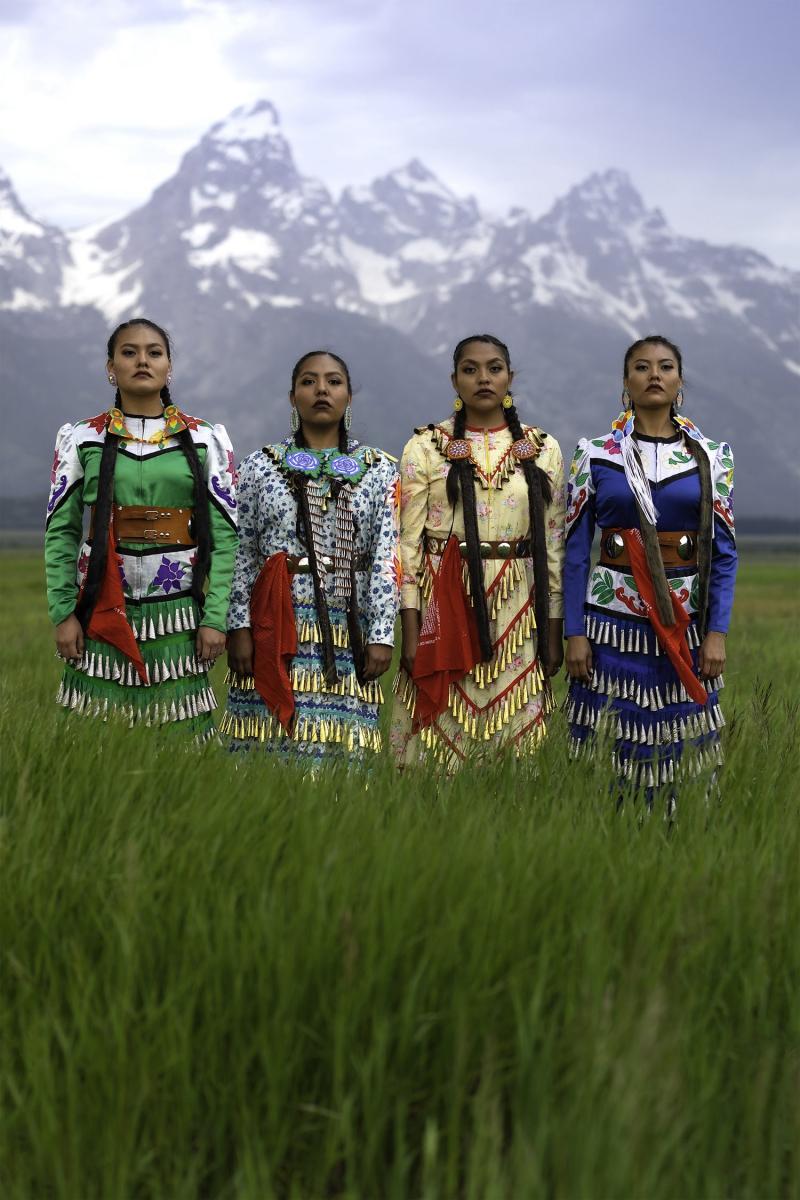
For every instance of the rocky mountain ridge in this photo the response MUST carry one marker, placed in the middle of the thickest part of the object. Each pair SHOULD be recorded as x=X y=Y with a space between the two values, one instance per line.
x=249 y=262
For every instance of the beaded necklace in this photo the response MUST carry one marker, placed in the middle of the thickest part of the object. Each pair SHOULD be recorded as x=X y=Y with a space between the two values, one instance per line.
x=174 y=423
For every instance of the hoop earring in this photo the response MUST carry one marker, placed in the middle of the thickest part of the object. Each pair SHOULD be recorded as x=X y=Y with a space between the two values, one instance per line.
x=112 y=379
x=508 y=401
x=294 y=420
x=458 y=404
x=626 y=399
x=347 y=419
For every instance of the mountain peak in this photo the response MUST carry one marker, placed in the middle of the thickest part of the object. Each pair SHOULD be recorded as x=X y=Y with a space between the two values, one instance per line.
x=608 y=192
x=248 y=123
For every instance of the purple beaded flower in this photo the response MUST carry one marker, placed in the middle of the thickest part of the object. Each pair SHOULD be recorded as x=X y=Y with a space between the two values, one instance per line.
x=345 y=465
x=168 y=576
x=301 y=460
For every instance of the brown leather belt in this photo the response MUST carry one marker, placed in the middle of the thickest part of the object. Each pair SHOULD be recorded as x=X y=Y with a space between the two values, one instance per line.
x=298 y=564
x=151 y=523
x=513 y=548
x=678 y=548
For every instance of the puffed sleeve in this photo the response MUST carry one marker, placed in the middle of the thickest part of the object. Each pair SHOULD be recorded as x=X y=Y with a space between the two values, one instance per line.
x=552 y=463
x=580 y=523
x=383 y=598
x=722 y=575
x=221 y=483
x=414 y=488
x=64 y=527
x=248 y=556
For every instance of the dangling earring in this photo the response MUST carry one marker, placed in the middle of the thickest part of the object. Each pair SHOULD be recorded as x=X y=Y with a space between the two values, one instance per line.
x=508 y=401
x=112 y=379
x=348 y=418
x=626 y=399
x=458 y=404
x=679 y=398
x=169 y=378
x=294 y=420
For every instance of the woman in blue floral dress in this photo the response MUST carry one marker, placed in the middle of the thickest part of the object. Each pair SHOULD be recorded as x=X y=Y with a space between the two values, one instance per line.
x=316 y=582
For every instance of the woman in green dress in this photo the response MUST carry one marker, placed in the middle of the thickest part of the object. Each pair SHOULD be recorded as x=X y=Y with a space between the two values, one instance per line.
x=139 y=606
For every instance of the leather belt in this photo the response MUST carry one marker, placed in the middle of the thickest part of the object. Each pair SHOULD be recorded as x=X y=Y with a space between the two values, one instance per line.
x=513 y=548
x=678 y=548
x=298 y=564
x=151 y=523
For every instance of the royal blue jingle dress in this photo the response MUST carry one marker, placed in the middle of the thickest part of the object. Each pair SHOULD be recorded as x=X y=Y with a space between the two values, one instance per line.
x=653 y=720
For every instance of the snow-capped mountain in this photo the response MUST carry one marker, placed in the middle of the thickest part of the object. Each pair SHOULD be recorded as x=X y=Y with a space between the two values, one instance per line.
x=32 y=255
x=249 y=262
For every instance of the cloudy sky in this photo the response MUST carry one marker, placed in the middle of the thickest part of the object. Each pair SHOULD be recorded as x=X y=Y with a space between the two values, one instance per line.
x=513 y=101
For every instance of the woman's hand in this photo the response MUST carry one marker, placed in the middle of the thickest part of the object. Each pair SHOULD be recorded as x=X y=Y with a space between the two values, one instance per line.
x=556 y=643
x=711 y=659
x=69 y=638
x=579 y=658
x=377 y=660
x=409 y=618
x=240 y=651
x=209 y=644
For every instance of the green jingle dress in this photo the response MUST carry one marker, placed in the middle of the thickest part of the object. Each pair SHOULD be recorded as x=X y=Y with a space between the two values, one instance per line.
x=151 y=469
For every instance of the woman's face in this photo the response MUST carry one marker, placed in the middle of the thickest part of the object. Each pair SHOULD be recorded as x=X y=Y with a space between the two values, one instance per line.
x=481 y=378
x=140 y=362
x=653 y=380
x=321 y=393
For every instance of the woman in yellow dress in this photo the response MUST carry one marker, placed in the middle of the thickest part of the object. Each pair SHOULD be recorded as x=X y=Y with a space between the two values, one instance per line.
x=482 y=545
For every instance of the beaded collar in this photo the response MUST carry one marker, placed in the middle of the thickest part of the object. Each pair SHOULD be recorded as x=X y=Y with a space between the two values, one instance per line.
x=326 y=465
x=174 y=422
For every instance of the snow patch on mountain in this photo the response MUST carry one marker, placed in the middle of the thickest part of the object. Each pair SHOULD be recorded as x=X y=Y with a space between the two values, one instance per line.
x=244 y=248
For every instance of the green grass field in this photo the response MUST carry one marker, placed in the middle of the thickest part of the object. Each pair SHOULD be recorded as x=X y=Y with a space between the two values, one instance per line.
x=235 y=984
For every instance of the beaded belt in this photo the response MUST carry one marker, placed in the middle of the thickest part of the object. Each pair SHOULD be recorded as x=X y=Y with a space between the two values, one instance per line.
x=151 y=523
x=514 y=548
x=678 y=549
x=298 y=564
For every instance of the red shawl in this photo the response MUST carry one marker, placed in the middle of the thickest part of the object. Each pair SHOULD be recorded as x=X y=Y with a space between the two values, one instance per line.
x=274 y=637
x=672 y=637
x=448 y=642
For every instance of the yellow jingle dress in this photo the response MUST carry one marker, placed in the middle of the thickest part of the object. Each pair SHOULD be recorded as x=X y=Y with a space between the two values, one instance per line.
x=505 y=701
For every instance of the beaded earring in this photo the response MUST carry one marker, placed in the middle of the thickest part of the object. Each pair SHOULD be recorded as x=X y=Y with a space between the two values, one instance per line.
x=626 y=398
x=458 y=404
x=508 y=401
x=679 y=398
x=294 y=420
x=348 y=418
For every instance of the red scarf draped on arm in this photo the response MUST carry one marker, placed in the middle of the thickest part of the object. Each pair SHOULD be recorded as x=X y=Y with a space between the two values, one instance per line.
x=672 y=638
x=448 y=641
x=274 y=637
x=108 y=622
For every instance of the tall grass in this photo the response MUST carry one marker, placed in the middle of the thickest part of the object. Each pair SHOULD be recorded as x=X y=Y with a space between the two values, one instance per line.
x=226 y=981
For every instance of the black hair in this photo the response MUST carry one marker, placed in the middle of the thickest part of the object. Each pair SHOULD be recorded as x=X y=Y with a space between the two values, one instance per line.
x=299 y=437
x=652 y=339
x=461 y=477
x=96 y=569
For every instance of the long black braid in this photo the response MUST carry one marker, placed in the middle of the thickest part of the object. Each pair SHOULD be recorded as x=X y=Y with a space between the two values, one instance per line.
x=95 y=571
x=461 y=477
x=540 y=493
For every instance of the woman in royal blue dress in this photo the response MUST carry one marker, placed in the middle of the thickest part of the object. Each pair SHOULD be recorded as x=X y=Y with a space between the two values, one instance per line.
x=646 y=625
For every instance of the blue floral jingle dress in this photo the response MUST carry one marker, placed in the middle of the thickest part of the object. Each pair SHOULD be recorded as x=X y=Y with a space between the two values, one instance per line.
x=341 y=718
x=653 y=717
